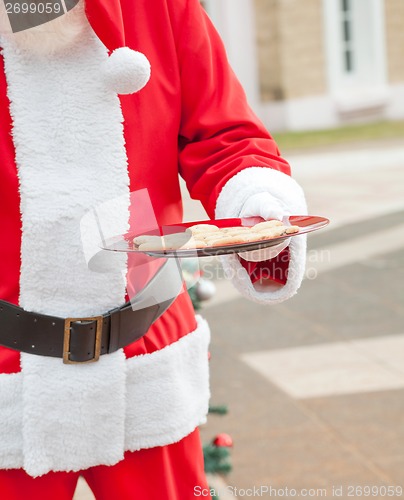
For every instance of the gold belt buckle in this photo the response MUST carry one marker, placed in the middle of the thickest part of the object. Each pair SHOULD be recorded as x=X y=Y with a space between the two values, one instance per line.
x=66 y=340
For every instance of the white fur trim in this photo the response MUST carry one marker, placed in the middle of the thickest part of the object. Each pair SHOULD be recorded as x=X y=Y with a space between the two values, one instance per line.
x=11 y=454
x=126 y=71
x=167 y=398
x=71 y=157
x=179 y=374
x=79 y=426
x=289 y=194
x=70 y=154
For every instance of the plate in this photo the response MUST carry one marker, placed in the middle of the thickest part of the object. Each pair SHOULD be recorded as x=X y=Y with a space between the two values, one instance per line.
x=306 y=223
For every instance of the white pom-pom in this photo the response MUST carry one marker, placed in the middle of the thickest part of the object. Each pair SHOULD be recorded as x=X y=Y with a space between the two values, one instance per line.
x=126 y=71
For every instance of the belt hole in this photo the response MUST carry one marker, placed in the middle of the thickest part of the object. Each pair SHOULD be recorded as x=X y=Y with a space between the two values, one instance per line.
x=18 y=315
x=35 y=320
x=33 y=346
x=53 y=323
x=14 y=341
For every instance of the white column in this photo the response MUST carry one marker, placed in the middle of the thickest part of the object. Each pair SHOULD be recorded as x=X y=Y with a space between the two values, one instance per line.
x=234 y=19
x=365 y=85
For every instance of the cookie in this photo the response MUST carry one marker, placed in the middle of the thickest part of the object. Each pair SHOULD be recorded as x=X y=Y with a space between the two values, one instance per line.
x=273 y=232
x=201 y=228
x=225 y=240
x=236 y=230
x=145 y=238
x=176 y=240
x=251 y=237
x=267 y=224
x=152 y=245
x=203 y=235
x=194 y=243
x=292 y=229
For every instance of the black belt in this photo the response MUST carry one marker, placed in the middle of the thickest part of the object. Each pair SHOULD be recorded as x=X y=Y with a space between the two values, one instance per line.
x=83 y=340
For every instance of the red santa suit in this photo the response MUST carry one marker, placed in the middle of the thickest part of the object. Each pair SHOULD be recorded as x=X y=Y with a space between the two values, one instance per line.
x=68 y=142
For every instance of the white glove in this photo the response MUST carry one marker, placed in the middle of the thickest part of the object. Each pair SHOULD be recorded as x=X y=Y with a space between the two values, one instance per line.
x=266 y=206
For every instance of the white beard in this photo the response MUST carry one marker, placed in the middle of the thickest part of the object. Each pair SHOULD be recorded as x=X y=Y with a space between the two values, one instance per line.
x=48 y=38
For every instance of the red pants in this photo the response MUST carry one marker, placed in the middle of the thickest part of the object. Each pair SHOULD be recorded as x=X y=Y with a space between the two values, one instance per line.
x=163 y=473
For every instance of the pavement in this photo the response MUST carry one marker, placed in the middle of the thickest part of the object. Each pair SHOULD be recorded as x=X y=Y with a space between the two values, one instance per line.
x=315 y=385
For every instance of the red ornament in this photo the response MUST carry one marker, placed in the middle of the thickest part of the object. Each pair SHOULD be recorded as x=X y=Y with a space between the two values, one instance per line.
x=223 y=440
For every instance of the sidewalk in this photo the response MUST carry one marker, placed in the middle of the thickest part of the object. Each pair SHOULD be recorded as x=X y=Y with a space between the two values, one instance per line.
x=315 y=386
x=346 y=185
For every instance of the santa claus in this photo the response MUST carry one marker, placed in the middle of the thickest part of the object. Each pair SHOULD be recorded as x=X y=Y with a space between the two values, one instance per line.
x=74 y=133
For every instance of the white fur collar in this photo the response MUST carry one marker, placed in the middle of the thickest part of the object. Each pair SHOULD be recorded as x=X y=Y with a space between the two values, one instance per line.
x=70 y=154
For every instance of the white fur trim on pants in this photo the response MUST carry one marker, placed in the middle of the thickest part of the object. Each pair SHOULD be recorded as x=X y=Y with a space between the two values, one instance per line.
x=165 y=397
x=289 y=194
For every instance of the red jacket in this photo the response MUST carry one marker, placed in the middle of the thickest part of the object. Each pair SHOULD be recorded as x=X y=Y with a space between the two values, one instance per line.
x=67 y=143
x=191 y=119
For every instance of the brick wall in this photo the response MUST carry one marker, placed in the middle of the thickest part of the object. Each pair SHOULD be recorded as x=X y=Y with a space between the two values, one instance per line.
x=290 y=48
x=394 y=14
x=268 y=49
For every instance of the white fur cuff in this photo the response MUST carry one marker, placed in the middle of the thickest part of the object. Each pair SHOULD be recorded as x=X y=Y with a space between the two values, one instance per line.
x=289 y=194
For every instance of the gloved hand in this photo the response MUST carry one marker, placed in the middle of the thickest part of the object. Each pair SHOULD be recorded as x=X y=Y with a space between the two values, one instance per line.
x=266 y=206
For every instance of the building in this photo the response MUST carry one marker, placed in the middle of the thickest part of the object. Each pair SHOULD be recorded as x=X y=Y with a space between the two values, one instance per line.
x=310 y=64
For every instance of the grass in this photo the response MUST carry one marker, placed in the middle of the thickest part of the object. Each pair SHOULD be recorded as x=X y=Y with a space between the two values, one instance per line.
x=331 y=137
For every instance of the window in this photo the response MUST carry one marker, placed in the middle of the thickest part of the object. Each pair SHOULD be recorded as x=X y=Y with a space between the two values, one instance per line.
x=355 y=45
x=347 y=35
